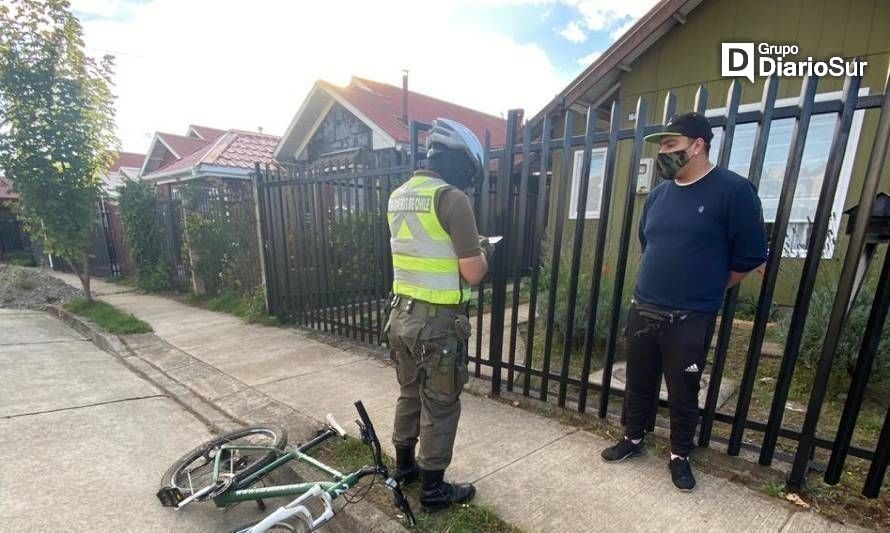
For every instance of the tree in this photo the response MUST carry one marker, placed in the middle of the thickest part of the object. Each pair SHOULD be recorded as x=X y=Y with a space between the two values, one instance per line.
x=56 y=125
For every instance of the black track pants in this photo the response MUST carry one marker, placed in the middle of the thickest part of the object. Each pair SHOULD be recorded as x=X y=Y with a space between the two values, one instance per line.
x=678 y=348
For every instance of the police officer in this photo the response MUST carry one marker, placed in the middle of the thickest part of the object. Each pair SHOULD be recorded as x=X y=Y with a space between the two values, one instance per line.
x=437 y=255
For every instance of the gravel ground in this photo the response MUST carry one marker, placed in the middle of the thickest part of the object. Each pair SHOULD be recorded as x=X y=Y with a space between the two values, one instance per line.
x=32 y=288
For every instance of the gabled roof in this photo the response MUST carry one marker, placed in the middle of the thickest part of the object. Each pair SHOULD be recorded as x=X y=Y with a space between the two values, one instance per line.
x=203 y=132
x=6 y=189
x=236 y=151
x=168 y=147
x=127 y=160
x=600 y=78
x=181 y=145
x=382 y=103
x=379 y=105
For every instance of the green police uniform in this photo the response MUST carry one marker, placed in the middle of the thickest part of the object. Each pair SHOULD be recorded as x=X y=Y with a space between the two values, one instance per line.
x=427 y=331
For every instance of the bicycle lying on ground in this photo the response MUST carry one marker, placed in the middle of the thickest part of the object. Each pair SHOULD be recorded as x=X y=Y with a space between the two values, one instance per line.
x=225 y=468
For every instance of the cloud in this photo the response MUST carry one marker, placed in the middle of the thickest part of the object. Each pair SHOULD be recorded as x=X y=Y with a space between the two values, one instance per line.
x=225 y=64
x=604 y=15
x=587 y=60
x=573 y=32
x=101 y=9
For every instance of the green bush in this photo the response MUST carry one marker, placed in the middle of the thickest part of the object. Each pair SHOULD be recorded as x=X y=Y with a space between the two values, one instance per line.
x=144 y=234
x=604 y=307
x=352 y=251
x=821 y=304
x=221 y=238
x=746 y=308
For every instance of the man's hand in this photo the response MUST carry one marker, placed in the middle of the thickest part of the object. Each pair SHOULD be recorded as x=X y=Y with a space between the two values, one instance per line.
x=735 y=278
x=487 y=248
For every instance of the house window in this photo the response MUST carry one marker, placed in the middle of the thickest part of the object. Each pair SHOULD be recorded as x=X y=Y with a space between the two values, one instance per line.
x=595 y=186
x=812 y=169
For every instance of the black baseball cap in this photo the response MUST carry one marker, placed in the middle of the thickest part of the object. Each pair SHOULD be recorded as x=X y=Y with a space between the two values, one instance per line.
x=693 y=125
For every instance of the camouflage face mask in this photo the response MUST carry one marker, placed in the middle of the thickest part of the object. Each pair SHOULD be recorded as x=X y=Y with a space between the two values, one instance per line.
x=669 y=163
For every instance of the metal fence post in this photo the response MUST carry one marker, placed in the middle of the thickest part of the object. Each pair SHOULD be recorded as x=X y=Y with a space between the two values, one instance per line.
x=503 y=214
x=845 y=288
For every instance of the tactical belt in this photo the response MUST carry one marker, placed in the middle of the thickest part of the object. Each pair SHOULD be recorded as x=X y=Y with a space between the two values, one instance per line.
x=659 y=313
x=422 y=308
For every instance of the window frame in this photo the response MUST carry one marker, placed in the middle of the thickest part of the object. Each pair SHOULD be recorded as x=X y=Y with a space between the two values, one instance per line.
x=846 y=173
x=577 y=163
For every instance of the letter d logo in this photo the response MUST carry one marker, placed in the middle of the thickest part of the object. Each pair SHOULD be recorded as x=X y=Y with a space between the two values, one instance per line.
x=737 y=59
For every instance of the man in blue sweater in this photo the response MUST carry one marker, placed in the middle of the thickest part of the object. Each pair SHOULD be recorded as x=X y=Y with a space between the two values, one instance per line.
x=701 y=232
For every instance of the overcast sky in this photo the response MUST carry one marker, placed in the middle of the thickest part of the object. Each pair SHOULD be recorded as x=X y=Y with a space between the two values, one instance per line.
x=250 y=63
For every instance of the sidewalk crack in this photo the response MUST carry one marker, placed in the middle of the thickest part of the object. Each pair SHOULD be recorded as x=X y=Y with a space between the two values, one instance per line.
x=43 y=342
x=75 y=407
x=539 y=448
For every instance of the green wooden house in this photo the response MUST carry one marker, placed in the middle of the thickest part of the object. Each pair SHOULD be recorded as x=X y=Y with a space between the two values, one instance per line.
x=676 y=47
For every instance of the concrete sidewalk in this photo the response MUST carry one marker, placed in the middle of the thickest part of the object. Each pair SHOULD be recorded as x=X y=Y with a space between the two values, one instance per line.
x=534 y=472
x=84 y=441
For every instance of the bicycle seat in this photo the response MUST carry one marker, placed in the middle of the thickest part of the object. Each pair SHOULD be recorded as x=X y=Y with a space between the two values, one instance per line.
x=332 y=423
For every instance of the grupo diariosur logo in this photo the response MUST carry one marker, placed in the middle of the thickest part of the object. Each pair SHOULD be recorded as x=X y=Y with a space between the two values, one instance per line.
x=783 y=60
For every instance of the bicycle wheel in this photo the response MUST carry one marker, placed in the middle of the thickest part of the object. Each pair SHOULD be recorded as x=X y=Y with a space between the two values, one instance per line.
x=194 y=470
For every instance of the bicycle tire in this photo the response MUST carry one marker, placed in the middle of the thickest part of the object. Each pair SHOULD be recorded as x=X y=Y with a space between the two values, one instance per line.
x=178 y=474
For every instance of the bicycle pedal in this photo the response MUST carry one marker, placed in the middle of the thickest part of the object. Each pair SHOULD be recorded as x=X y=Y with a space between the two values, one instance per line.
x=170 y=496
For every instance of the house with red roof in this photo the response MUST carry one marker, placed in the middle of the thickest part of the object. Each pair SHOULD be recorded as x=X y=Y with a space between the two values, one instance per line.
x=340 y=123
x=203 y=153
x=126 y=166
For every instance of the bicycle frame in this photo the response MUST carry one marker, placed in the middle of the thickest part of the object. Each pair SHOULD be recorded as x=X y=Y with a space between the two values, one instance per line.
x=340 y=484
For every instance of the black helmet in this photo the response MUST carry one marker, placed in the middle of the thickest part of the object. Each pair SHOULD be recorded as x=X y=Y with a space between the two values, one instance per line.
x=446 y=135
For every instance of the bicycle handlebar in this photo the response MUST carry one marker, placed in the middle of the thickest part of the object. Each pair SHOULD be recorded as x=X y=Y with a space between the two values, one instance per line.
x=363 y=415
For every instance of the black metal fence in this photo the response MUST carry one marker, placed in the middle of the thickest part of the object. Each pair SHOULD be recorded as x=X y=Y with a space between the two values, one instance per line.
x=106 y=249
x=326 y=244
x=12 y=237
x=333 y=279
x=169 y=213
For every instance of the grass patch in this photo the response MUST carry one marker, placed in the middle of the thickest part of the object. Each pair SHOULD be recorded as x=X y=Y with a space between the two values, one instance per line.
x=107 y=317
x=126 y=281
x=776 y=490
x=250 y=308
x=351 y=454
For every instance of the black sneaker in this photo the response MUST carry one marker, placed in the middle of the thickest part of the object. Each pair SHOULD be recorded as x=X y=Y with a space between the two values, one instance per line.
x=681 y=474
x=622 y=450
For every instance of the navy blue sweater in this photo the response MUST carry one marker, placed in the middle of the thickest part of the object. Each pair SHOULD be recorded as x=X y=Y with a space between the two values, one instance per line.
x=694 y=235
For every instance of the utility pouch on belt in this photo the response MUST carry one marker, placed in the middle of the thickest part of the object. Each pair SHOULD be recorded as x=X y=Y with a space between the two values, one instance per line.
x=661 y=314
x=462 y=327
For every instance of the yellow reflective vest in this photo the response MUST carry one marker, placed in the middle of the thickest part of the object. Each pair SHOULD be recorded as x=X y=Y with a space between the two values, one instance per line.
x=425 y=265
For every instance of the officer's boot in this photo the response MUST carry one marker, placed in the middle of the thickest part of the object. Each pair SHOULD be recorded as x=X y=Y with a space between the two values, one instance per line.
x=406 y=469
x=436 y=494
